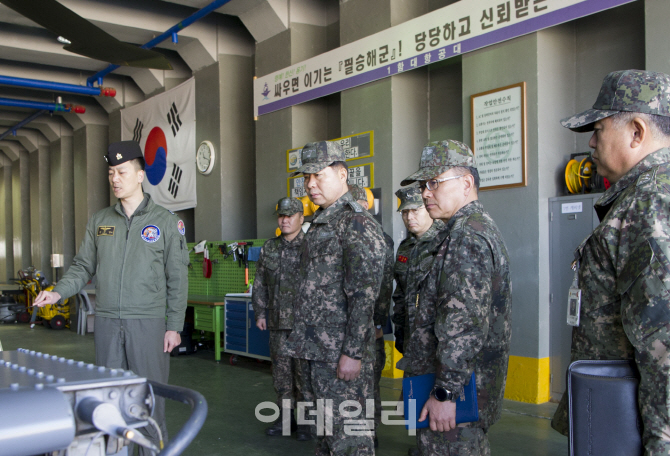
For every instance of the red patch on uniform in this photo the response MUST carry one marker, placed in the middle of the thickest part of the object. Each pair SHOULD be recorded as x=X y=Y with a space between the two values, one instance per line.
x=402 y=259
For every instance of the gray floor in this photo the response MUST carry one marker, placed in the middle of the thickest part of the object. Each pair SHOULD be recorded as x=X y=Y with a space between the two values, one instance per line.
x=233 y=392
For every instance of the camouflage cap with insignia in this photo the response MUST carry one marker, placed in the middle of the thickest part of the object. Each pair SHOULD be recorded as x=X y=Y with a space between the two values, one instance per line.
x=438 y=157
x=358 y=193
x=646 y=92
x=410 y=198
x=316 y=156
x=123 y=151
x=289 y=206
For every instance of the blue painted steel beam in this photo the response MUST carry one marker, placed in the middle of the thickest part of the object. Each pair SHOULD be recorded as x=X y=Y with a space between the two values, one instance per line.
x=58 y=86
x=26 y=121
x=162 y=37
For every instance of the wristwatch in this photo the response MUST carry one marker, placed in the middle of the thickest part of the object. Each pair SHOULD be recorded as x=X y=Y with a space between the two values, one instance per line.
x=380 y=327
x=443 y=394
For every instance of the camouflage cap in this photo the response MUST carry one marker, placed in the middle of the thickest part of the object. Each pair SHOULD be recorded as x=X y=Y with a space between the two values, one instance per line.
x=410 y=198
x=358 y=193
x=316 y=156
x=289 y=206
x=439 y=156
x=646 y=92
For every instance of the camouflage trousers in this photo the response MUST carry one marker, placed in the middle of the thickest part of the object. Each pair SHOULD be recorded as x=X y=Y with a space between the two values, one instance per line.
x=462 y=441
x=344 y=439
x=380 y=362
x=288 y=376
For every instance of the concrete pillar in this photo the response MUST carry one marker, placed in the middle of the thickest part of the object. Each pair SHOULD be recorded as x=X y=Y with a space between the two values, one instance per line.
x=292 y=127
x=24 y=210
x=656 y=14
x=62 y=199
x=9 y=218
x=90 y=175
x=45 y=237
x=16 y=216
x=35 y=220
x=395 y=108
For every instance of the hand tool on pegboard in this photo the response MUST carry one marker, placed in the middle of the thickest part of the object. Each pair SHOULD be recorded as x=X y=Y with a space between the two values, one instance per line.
x=246 y=261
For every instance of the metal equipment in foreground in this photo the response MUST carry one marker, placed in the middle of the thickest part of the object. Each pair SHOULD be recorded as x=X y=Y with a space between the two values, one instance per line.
x=56 y=406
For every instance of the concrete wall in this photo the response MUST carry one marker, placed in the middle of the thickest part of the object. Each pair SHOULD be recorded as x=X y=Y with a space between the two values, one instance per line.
x=90 y=175
x=16 y=217
x=62 y=199
x=34 y=226
x=3 y=226
x=8 y=200
x=293 y=127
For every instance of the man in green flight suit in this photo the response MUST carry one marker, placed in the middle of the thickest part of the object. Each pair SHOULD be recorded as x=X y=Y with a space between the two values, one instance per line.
x=461 y=316
x=137 y=251
x=277 y=276
x=342 y=254
x=624 y=265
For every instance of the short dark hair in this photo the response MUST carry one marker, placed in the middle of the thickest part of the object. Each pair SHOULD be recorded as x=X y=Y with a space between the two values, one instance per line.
x=339 y=164
x=469 y=170
x=138 y=163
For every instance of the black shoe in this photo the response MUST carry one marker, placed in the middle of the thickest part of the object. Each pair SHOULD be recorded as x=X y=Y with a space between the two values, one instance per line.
x=304 y=433
x=277 y=427
x=414 y=451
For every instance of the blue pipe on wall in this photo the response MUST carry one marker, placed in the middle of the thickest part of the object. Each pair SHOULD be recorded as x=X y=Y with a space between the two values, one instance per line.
x=38 y=84
x=27 y=120
x=52 y=107
x=162 y=37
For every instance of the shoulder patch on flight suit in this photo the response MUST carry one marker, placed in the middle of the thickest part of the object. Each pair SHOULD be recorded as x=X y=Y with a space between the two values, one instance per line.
x=106 y=230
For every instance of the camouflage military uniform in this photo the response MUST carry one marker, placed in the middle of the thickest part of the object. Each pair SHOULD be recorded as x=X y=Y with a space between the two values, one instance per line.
x=272 y=299
x=624 y=265
x=382 y=307
x=461 y=323
x=381 y=315
x=416 y=255
x=342 y=254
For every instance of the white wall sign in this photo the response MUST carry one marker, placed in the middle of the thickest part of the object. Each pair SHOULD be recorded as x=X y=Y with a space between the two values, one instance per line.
x=571 y=208
x=455 y=29
x=499 y=136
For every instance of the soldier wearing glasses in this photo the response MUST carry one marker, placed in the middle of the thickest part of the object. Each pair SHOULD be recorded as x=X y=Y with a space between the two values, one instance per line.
x=462 y=309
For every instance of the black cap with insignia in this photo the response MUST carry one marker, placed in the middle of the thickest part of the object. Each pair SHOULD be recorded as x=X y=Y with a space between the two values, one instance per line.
x=122 y=151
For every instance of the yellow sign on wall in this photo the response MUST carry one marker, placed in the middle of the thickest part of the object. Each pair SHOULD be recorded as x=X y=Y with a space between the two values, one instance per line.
x=359 y=145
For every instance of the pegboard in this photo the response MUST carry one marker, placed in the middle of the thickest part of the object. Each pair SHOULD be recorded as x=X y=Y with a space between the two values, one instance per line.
x=227 y=274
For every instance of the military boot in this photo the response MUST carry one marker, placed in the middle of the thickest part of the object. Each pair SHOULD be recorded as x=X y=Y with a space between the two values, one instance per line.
x=414 y=451
x=277 y=427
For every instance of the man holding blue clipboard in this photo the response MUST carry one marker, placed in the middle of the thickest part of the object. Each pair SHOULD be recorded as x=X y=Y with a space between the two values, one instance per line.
x=460 y=323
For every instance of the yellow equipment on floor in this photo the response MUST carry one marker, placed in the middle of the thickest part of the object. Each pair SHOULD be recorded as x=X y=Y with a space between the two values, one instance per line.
x=56 y=316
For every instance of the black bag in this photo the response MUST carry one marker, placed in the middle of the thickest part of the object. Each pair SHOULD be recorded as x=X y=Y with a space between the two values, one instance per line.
x=602 y=403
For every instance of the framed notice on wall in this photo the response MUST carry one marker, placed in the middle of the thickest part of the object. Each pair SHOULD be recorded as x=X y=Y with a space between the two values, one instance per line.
x=499 y=136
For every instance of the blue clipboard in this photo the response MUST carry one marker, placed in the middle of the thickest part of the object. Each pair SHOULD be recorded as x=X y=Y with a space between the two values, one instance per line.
x=418 y=389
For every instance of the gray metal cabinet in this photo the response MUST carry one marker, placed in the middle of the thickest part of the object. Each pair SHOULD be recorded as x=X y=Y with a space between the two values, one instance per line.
x=572 y=219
